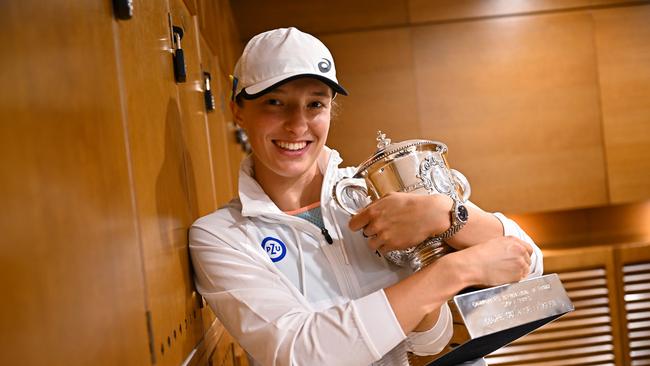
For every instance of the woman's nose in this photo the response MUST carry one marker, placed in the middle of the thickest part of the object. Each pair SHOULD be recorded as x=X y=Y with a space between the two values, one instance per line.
x=297 y=120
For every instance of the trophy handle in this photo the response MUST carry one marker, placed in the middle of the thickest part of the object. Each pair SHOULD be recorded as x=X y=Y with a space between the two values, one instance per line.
x=351 y=190
x=462 y=184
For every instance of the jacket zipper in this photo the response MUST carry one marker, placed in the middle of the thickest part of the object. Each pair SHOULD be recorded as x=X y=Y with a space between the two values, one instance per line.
x=327 y=236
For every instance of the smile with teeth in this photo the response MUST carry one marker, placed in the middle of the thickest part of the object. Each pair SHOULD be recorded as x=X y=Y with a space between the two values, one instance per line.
x=292 y=146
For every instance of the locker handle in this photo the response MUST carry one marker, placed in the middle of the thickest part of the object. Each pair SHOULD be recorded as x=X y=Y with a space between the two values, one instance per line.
x=210 y=104
x=180 y=72
x=123 y=9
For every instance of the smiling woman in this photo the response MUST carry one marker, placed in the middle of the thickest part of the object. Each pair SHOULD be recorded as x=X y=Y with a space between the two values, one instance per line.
x=287 y=129
x=287 y=271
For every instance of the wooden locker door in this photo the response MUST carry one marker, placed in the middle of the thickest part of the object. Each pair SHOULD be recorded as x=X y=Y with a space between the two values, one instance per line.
x=192 y=107
x=166 y=174
x=71 y=271
x=588 y=336
x=217 y=127
x=633 y=278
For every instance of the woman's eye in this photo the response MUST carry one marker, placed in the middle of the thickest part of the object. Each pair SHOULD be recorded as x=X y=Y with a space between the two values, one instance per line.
x=273 y=102
x=316 y=104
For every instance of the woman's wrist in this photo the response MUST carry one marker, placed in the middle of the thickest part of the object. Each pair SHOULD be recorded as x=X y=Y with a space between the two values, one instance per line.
x=449 y=275
x=440 y=208
x=464 y=274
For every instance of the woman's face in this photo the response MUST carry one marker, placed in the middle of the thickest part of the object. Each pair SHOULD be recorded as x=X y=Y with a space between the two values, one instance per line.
x=287 y=127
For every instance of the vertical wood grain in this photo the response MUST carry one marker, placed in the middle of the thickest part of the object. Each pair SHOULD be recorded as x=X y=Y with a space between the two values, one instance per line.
x=621 y=37
x=217 y=128
x=198 y=162
x=376 y=68
x=517 y=102
x=70 y=270
x=163 y=167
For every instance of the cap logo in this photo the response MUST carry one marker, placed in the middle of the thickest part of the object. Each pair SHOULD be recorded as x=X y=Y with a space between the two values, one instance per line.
x=325 y=65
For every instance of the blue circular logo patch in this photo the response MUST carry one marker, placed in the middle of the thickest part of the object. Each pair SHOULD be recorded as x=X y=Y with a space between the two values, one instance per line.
x=274 y=248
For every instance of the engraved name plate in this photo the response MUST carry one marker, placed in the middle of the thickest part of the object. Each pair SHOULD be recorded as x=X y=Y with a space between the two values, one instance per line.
x=498 y=308
x=496 y=316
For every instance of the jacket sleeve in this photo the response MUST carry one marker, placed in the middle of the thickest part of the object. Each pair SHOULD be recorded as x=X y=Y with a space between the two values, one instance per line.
x=274 y=323
x=435 y=339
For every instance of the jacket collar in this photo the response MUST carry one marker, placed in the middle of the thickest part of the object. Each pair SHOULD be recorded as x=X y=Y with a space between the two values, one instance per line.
x=256 y=202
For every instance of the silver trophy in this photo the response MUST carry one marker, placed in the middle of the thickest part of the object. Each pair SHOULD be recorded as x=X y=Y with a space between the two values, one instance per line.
x=413 y=166
x=484 y=320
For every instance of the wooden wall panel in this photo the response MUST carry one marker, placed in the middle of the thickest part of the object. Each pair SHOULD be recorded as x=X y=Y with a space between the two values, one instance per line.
x=432 y=11
x=376 y=68
x=162 y=162
x=334 y=16
x=591 y=226
x=624 y=70
x=516 y=100
x=70 y=269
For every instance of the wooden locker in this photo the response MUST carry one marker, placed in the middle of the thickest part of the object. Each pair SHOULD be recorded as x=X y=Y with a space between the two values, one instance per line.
x=169 y=175
x=71 y=268
x=192 y=107
x=217 y=126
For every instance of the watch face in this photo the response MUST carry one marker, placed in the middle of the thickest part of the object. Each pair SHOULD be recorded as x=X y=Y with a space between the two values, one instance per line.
x=462 y=213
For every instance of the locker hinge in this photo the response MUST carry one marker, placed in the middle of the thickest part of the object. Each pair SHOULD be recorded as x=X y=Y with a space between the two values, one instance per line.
x=152 y=349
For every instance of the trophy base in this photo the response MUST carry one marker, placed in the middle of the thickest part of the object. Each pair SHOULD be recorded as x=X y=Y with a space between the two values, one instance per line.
x=483 y=346
x=488 y=319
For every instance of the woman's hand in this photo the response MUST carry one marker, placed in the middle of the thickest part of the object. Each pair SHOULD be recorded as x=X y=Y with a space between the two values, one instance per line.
x=402 y=220
x=498 y=261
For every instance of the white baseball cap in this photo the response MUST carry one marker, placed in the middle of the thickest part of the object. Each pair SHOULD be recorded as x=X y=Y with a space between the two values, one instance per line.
x=280 y=55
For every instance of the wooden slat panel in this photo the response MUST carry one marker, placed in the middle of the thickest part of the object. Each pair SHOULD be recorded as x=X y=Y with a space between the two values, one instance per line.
x=445 y=10
x=254 y=16
x=70 y=269
x=490 y=90
x=381 y=85
x=624 y=70
x=634 y=277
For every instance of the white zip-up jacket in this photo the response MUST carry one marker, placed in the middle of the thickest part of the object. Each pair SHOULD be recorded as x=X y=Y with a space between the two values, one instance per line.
x=290 y=297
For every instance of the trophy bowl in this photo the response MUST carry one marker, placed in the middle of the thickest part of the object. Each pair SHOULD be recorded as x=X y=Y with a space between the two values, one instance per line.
x=412 y=166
